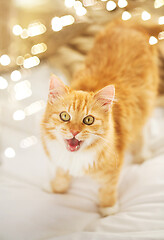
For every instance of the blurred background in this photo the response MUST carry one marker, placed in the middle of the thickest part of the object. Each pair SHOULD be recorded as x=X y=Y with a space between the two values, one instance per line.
x=40 y=37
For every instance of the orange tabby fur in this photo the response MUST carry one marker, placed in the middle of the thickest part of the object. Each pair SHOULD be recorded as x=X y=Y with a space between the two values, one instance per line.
x=121 y=56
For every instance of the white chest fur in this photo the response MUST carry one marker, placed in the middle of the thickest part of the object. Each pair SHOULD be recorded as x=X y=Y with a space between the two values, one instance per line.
x=74 y=162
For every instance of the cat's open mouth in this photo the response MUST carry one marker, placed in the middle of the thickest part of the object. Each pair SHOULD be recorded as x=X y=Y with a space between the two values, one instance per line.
x=73 y=144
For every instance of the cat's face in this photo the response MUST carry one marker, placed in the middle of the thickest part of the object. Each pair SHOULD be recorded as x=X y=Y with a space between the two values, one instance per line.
x=76 y=119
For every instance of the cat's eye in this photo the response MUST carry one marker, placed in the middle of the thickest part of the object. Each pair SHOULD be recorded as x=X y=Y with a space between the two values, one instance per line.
x=88 y=120
x=65 y=116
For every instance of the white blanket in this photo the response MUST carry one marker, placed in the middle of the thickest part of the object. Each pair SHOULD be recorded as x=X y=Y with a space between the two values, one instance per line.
x=29 y=213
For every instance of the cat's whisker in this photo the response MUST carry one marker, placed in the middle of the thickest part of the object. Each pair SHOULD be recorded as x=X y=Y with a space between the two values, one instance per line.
x=107 y=143
x=97 y=135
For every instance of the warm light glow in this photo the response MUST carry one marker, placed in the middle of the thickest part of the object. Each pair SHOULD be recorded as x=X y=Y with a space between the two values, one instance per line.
x=27 y=55
x=69 y=3
x=28 y=142
x=29 y=4
x=67 y=20
x=38 y=48
x=56 y=24
x=5 y=60
x=9 y=152
x=24 y=34
x=3 y=83
x=16 y=75
x=88 y=3
x=126 y=15
x=23 y=90
x=19 y=60
x=110 y=6
x=145 y=16
x=161 y=20
x=152 y=40
x=77 y=4
x=158 y=3
x=36 y=28
x=19 y=115
x=81 y=11
x=31 y=62
x=34 y=107
x=161 y=35
x=17 y=30
x=122 y=3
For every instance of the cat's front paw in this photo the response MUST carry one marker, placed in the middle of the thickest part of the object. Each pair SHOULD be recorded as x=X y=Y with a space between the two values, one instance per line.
x=107 y=211
x=60 y=185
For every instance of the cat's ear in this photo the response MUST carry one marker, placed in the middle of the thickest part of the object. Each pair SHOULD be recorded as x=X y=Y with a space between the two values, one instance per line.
x=105 y=97
x=56 y=88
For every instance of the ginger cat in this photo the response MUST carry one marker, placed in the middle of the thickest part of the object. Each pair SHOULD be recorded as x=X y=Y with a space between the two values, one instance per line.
x=87 y=128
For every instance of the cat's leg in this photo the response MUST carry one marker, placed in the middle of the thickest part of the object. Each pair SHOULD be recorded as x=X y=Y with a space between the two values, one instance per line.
x=140 y=148
x=61 y=181
x=108 y=194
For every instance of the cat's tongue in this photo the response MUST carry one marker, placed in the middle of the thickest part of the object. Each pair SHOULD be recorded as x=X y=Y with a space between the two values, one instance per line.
x=73 y=144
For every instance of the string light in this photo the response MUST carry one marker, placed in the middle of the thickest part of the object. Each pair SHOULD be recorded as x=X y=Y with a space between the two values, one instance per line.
x=35 y=29
x=69 y=3
x=28 y=142
x=67 y=20
x=34 y=107
x=38 y=48
x=17 y=30
x=5 y=60
x=19 y=60
x=24 y=34
x=22 y=90
x=81 y=11
x=110 y=6
x=158 y=3
x=145 y=16
x=31 y=62
x=161 y=20
x=126 y=15
x=56 y=24
x=88 y=3
x=122 y=3
x=29 y=4
x=15 y=75
x=161 y=35
x=19 y=115
x=153 y=40
x=9 y=152
x=27 y=55
x=77 y=4
x=3 y=83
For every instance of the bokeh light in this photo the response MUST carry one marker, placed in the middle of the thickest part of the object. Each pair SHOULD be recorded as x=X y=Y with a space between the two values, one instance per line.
x=16 y=75
x=3 y=83
x=9 y=152
x=5 y=60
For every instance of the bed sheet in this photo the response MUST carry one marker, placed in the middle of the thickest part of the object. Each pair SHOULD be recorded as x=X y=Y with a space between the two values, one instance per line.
x=27 y=212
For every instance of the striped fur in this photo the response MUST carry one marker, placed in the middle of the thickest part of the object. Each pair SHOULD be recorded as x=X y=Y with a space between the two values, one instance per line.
x=121 y=56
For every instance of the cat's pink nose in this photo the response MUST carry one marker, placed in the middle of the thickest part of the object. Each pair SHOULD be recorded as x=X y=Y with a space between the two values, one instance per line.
x=74 y=132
